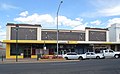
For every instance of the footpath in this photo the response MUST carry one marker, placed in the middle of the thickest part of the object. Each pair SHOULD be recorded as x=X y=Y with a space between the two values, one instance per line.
x=8 y=61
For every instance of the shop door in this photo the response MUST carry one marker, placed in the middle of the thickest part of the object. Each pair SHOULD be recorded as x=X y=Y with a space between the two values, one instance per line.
x=27 y=53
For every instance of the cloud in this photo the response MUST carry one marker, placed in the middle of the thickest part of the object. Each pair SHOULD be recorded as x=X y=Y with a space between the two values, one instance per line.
x=80 y=27
x=35 y=18
x=47 y=21
x=113 y=11
x=104 y=3
x=108 y=7
x=69 y=22
x=7 y=6
x=103 y=8
x=25 y=13
x=2 y=34
x=113 y=21
x=97 y=22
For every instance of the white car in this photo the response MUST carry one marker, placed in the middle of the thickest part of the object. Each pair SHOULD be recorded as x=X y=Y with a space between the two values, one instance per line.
x=93 y=55
x=110 y=53
x=87 y=55
x=71 y=55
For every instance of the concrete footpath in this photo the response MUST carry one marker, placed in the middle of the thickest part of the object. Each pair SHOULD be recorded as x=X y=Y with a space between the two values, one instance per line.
x=7 y=61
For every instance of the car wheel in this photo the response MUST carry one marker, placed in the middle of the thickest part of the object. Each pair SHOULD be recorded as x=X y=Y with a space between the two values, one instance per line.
x=97 y=57
x=116 y=56
x=80 y=58
x=66 y=58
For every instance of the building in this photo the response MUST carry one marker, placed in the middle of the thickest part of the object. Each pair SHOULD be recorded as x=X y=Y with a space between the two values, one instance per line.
x=2 y=49
x=32 y=40
x=114 y=32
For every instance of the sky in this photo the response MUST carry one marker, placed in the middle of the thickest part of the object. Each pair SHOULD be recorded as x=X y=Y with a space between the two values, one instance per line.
x=73 y=14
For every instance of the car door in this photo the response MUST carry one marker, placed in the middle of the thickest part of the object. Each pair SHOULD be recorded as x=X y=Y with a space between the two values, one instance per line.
x=69 y=56
x=92 y=55
x=72 y=56
x=111 y=53
x=106 y=53
x=88 y=55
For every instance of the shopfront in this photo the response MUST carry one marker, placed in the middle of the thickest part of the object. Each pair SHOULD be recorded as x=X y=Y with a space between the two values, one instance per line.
x=26 y=41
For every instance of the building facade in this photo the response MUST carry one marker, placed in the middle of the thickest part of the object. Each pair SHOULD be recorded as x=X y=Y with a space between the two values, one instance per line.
x=32 y=40
x=2 y=49
x=114 y=32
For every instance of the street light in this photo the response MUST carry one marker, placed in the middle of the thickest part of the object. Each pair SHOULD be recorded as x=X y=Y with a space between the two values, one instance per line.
x=17 y=42
x=57 y=23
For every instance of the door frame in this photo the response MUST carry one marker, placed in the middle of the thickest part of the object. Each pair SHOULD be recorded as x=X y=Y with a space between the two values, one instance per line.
x=27 y=53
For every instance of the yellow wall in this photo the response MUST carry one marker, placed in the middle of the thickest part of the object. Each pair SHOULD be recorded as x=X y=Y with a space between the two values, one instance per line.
x=7 y=50
x=33 y=56
x=8 y=53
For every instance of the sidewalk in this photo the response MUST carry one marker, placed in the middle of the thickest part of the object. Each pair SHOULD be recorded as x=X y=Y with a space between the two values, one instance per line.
x=7 y=61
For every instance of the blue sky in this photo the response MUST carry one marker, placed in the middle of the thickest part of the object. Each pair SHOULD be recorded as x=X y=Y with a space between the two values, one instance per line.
x=73 y=14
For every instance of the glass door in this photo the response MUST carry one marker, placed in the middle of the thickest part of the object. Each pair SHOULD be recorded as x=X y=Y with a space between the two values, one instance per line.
x=27 y=53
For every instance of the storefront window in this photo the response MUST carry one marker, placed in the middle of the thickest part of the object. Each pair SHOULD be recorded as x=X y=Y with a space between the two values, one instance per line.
x=14 y=51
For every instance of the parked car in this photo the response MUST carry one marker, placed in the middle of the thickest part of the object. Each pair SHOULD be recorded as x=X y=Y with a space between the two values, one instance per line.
x=108 y=53
x=71 y=55
x=93 y=55
x=87 y=55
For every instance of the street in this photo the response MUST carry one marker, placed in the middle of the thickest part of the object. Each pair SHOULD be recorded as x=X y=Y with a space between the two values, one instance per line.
x=91 y=66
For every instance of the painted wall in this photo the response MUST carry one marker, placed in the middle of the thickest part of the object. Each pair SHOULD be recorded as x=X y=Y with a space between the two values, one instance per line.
x=118 y=32
x=114 y=33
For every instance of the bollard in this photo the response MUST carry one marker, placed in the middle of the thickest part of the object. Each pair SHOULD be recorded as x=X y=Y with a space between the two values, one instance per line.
x=37 y=57
x=2 y=58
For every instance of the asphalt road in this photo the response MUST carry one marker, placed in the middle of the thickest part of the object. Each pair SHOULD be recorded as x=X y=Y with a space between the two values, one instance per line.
x=92 y=66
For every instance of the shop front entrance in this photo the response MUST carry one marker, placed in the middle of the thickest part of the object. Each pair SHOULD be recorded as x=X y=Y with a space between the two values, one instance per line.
x=27 y=53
